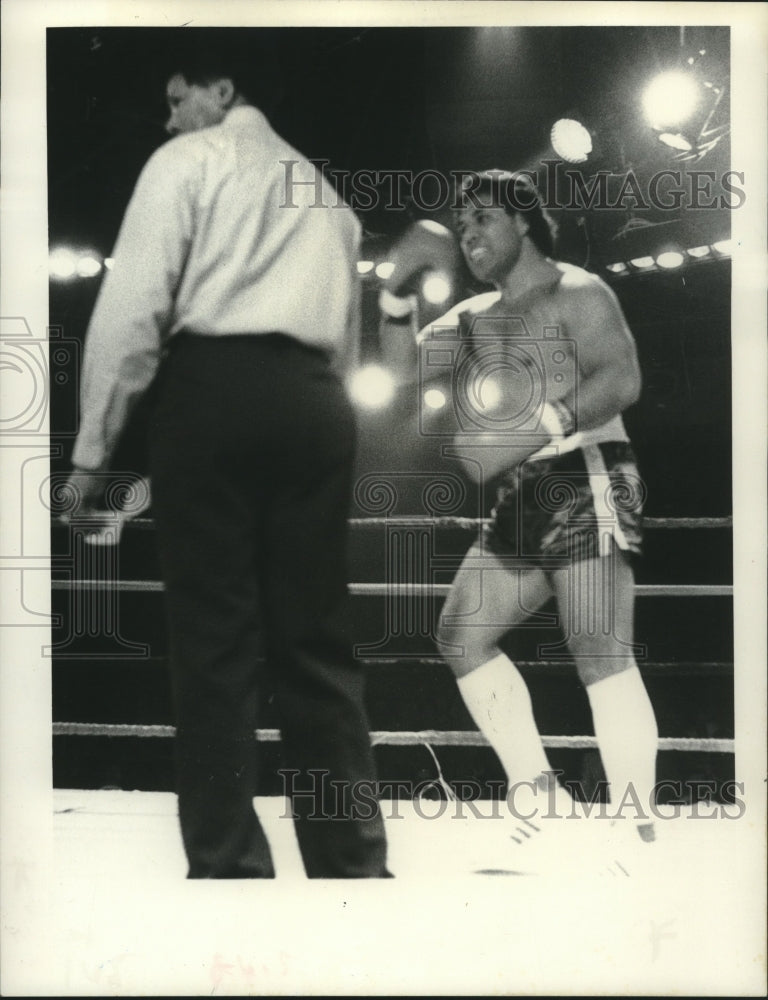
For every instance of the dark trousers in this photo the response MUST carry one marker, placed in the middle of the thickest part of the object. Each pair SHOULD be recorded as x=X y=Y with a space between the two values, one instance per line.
x=252 y=449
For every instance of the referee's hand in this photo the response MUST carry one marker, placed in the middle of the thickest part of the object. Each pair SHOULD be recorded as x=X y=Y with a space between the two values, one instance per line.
x=87 y=489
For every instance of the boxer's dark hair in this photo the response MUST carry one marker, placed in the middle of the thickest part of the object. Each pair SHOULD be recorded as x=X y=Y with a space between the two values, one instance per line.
x=514 y=192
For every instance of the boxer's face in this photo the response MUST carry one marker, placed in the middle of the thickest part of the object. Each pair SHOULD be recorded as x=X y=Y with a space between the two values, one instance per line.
x=491 y=240
x=195 y=106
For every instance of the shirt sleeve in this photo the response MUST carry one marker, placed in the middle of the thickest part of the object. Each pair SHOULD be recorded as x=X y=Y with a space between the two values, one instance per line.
x=346 y=357
x=135 y=305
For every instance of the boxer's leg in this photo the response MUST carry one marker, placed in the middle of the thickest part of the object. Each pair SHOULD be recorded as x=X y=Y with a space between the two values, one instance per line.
x=486 y=600
x=596 y=601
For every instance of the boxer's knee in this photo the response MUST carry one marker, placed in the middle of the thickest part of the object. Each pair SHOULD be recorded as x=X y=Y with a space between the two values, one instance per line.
x=464 y=648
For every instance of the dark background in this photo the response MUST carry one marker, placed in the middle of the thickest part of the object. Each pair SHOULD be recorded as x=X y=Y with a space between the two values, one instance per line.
x=444 y=99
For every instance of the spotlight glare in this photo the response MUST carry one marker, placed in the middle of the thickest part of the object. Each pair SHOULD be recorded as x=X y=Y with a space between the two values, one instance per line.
x=571 y=140
x=88 y=266
x=372 y=387
x=723 y=247
x=642 y=262
x=364 y=266
x=670 y=99
x=435 y=399
x=436 y=288
x=62 y=264
x=616 y=268
x=670 y=259
x=675 y=141
x=698 y=252
x=487 y=393
x=384 y=270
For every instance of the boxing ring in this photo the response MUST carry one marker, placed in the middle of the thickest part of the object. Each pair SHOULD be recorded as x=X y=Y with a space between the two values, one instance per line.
x=457 y=874
x=408 y=603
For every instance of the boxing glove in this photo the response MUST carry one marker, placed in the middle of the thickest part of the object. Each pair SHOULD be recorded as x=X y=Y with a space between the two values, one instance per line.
x=425 y=246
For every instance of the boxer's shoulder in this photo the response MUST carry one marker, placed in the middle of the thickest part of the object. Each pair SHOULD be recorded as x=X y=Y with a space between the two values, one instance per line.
x=462 y=313
x=475 y=305
x=578 y=284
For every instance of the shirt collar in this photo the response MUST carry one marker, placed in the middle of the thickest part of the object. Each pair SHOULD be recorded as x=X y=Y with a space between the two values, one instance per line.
x=242 y=114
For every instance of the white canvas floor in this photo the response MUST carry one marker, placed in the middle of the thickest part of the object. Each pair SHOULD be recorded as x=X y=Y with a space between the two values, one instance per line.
x=683 y=915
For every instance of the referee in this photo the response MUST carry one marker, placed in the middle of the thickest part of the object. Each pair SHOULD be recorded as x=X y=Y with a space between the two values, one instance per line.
x=240 y=303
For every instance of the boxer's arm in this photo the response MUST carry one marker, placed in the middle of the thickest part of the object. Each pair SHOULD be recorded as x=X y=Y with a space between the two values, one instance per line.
x=607 y=381
x=425 y=246
x=608 y=376
x=397 y=336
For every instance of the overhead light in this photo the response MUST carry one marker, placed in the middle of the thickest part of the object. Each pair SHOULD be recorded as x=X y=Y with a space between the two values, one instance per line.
x=62 y=264
x=384 y=270
x=724 y=247
x=364 y=266
x=88 y=266
x=686 y=109
x=616 y=268
x=698 y=252
x=435 y=399
x=372 y=387
x=676 y=140
x=436 y=288
x=486 y=392
x=642 y=262
x=671 y=99
x=670 y=259
x=571 y=140
x=109 y=263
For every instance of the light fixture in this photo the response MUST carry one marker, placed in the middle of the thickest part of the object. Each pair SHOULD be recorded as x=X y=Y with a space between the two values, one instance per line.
x=364 y=266
x=436 y=288
x=88 y=266
x=372 y=387
x=384 y=270
x=571 y=140
x=670 y=99
x=486 y=391
x=642 y=263
x=670 y=259
x=724 y=247
x=435 y=399
x=683 y=106
x=617 y=268
x=676 y=140
x=62 y=264
x=698 y=252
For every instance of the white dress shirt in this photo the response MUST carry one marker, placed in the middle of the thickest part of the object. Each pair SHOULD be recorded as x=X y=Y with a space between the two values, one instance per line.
x=220 y=237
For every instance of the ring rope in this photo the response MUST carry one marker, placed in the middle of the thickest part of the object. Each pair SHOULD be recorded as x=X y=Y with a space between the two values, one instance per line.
x=472 y=523
x=417 y=660
x=405 y=589
x=463 y=523
x=436 y=661
x=457 y=738
x=401 y=589
x=435 y=737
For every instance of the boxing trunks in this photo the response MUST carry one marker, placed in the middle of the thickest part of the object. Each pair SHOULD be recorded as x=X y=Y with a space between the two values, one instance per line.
x=554 y=510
